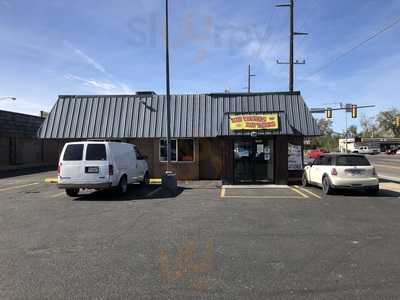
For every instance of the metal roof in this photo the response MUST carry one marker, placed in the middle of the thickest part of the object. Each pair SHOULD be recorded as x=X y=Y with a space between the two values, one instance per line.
x=196 y=115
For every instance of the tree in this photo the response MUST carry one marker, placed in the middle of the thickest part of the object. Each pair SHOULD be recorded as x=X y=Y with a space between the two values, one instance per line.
x=327 y=140
x=325 y=126
x=368 y=126
x=352 y=131
x=386 y=123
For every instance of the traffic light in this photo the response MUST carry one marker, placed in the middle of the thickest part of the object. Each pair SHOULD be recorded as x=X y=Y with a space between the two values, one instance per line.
x=329 y=113
x=354 y=111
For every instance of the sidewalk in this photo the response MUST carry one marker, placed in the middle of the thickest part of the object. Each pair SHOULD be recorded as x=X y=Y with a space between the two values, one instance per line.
x=389 y=178
x=17 y=170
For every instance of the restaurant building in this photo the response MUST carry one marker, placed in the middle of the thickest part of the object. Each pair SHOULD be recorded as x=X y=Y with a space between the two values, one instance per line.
x=237 y=138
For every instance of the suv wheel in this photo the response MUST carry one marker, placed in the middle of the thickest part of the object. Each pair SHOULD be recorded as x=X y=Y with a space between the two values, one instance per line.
x=374 y=190
x=72 y=192
x=123 y=185
x=304 y=180
x=326 y=186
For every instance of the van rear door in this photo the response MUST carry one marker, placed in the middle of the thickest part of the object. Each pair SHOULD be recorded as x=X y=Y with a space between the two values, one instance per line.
x=71 y=165
x=96 y=163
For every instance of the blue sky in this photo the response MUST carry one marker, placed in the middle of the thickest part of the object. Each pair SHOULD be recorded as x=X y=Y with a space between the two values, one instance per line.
x=57 y=47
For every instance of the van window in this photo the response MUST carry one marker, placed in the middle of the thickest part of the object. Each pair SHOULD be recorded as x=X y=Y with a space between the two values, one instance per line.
x=352 y=160
x=73 y=152
x=96 y=152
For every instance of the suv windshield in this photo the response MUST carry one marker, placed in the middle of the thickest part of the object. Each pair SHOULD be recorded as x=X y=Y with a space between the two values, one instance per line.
x=96 y=152
x=352 y=160
x=73 y=152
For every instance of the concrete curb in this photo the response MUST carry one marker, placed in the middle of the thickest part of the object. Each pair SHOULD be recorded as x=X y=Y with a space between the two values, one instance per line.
x=389 y=178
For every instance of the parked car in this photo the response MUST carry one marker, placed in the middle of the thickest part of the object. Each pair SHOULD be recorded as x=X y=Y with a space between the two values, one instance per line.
x=100 y=165
x=366 y=150
x=315 y=153
x=393 y=151
x=341 y=171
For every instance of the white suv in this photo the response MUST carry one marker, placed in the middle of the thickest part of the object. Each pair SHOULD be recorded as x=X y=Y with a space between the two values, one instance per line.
x=342 y=171
x=100 y=165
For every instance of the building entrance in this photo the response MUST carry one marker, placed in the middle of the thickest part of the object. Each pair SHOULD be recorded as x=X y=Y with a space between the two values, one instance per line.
x=253 y=161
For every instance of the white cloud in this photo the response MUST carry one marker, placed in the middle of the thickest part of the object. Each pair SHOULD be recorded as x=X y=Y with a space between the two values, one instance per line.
x=86 y=58
x=107 y=87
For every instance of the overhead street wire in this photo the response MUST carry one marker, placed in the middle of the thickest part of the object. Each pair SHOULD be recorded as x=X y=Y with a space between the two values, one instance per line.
x=376 y=34
x=267 y=34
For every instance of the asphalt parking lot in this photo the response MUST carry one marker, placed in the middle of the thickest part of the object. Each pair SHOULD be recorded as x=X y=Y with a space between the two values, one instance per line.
x=201 y=242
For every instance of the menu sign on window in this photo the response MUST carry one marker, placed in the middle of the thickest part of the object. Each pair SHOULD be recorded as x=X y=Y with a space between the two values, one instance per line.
x=295 y=158
x=254 y=122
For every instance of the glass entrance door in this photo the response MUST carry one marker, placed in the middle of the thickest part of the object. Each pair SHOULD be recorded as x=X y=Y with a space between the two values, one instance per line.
x=253 y=161
x=263 y=161
x=243 y=161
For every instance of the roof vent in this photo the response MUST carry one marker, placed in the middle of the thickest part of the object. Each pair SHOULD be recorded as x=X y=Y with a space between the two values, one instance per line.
x=145 y=93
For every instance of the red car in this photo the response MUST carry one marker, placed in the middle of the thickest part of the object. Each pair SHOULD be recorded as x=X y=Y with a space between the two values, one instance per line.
x=315 y=153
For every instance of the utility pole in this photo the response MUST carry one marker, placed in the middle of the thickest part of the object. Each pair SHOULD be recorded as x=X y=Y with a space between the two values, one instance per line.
x=168 y=96
x=292 y=34
x=249 y=75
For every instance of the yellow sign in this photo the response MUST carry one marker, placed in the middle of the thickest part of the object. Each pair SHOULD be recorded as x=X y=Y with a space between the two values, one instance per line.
x=254 y=122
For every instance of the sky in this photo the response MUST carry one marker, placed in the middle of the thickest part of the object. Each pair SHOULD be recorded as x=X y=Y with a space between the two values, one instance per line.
x=59 y=47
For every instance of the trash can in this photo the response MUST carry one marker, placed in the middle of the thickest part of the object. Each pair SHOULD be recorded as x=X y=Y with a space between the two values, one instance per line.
x=169 y=181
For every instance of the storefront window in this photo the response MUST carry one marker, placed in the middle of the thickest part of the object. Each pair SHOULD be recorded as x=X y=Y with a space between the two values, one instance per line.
x=184 y=148
x=163 y=150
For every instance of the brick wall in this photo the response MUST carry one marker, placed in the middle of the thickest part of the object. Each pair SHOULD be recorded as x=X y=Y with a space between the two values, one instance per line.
x=18 y=125
x=184 y=170
x=18 y=142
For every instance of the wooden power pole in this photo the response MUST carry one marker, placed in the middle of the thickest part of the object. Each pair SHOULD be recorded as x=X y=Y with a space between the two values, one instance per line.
x=292 y=34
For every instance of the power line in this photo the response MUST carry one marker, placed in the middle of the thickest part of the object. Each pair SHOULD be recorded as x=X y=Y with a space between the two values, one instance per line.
x=376 y=34
x=307 y=19
x=266 y=36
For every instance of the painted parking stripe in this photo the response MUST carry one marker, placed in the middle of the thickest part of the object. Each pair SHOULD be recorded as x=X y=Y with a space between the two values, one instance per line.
x=57 y=195
x=387 y=166
x=222 y=195
x=309 y=192
x=267 y=197
x=300 y=193
x=152 y=193
x=18 y=187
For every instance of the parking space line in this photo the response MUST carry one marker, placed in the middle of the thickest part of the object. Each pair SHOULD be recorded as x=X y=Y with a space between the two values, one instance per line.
x=300 y=193
x=387 y=166
x=309 y=192
x=152 y=193
x=57 y=195
x=266 y=197
x=18 y=187
x=222 y=195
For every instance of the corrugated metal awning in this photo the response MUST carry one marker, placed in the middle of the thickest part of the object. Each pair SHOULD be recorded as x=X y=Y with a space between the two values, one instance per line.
x=201 y=115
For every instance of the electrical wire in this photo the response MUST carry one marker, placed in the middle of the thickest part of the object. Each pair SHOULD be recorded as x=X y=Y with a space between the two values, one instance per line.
x=266 y=36
x=376 y=34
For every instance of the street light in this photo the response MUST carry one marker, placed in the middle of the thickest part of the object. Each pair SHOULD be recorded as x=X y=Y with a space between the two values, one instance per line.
x=8 y=98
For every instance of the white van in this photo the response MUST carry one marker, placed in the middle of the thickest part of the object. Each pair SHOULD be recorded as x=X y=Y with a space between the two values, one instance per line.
x=100 y=165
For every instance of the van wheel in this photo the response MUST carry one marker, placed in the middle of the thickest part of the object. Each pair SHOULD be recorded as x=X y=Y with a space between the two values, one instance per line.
x=72 y=192
x=146 y=179
x=304 y=180
x=123 y=185
x=326 y=186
